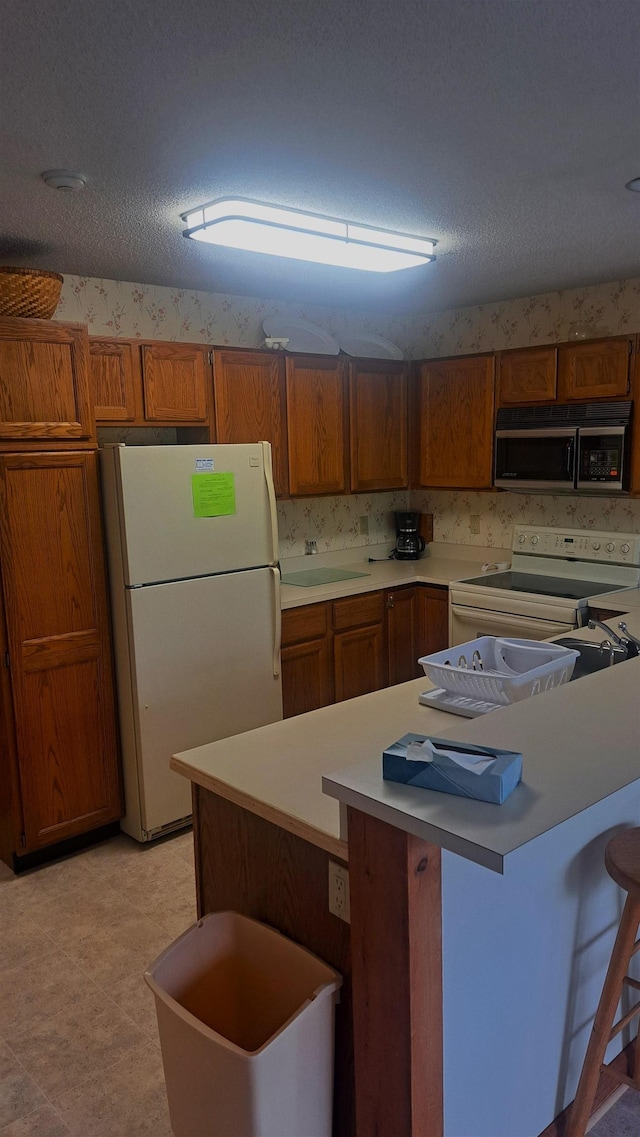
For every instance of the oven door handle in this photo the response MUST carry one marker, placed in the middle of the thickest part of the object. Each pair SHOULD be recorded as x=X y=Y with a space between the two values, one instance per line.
x=502 y=620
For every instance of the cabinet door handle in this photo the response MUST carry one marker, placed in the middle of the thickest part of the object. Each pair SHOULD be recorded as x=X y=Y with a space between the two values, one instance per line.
x=391 y=600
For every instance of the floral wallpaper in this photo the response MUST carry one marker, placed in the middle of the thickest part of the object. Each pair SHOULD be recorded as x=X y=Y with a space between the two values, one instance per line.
x=468 y=518
x=112 y=307
x=118 y=308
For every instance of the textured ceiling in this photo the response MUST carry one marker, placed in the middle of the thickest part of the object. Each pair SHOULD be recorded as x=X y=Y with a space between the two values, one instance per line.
x=506 y=129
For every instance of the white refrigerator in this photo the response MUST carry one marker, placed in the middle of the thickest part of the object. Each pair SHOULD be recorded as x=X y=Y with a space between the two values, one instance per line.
x=192 y=543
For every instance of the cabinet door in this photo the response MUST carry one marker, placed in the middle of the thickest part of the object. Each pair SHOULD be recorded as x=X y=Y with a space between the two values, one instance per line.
x=378 y=425
x=598 y=370
x=456 y=422
x=434 y=619
x=61 y=671
x=249 y=394
x=403 y=634
x=316 y=425
x=176 y=378
x=44 y=384
x=359 y=661
x=528 y=376
x=116 y=380
x=359 y=645
x=307 y=677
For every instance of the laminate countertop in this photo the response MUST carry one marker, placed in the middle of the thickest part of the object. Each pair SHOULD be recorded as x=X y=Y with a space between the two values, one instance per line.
x=580 y=742
x=439 y=565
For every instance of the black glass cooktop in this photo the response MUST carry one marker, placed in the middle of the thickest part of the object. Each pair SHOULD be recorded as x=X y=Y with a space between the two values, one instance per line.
x=541 y=585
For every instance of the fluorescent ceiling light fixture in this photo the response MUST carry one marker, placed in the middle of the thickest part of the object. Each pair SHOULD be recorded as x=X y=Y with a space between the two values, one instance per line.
x=273 y=229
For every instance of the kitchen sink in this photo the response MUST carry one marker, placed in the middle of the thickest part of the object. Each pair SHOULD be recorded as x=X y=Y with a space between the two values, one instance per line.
x=592 y=657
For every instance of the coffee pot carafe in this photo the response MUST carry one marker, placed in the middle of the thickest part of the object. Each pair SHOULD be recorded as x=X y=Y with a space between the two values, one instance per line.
x=409 y=543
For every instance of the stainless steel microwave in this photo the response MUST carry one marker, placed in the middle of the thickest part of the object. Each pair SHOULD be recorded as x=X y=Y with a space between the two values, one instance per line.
x=560 y=448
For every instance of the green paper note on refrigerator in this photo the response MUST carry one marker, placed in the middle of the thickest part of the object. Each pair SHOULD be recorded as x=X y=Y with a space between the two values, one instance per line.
x=214 y=495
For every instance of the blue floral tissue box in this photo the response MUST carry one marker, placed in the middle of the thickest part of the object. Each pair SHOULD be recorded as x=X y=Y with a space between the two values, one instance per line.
x=460 y=768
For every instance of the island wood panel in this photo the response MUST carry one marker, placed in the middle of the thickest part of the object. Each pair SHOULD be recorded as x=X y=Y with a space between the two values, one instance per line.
x=456 y=422
x=115 y=378
x=249 y=865
x=527 y=376
x=396 y=943
x=317 y=425
x=176 y=382
x=59 y=649
x=250 y=404
x=11 y=820
x=600 y=369
x=44 y=383
x=378 y=395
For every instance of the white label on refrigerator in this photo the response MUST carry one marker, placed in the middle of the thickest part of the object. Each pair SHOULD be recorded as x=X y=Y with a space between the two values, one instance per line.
x=203 y=464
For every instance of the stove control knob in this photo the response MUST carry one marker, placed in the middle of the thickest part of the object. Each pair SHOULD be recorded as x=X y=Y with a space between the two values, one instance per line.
x=521 y=539
x=610 y=547
x=625 y=548
x=534 y=540
x=596 y=545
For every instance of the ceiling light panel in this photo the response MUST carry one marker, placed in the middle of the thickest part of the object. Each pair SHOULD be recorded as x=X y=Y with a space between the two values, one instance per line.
x=277 y=231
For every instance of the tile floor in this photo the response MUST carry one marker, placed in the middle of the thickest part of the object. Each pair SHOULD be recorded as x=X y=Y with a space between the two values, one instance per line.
x=79 y=1050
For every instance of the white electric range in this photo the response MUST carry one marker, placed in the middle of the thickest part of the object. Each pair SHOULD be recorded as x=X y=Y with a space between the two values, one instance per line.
x=546 y=591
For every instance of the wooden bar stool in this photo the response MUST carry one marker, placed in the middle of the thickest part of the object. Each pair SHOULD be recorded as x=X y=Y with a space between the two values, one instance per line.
x=622 y=859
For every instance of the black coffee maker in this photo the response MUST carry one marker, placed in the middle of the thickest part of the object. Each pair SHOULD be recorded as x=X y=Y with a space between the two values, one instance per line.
x=409 y=543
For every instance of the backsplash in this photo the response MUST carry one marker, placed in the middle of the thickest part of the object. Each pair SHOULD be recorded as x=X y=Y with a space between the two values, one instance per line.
x=471 y=518
x=334 y=522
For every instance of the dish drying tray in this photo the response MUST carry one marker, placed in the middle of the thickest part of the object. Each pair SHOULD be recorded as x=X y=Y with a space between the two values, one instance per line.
x=489 y=672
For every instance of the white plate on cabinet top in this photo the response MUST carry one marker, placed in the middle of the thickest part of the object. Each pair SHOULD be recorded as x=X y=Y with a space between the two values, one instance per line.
x=302 y=335
x=368 y=346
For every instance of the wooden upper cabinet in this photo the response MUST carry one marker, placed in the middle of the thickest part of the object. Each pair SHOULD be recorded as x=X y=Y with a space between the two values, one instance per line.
x=527 y=376
x=44 y=383
x=115 y=380
x=600 y=369
x=455 y=433
x=176 y=379
x=316 y=424
x=378 y=425
x=59 y=649
x=249 y=397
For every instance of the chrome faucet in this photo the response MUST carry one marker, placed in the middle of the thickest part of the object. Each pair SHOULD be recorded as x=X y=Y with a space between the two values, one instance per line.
x=630 y=645
x=593 y=624
x=631 y=639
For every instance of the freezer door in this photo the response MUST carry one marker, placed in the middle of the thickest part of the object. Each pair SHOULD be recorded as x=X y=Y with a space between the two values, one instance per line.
x=202 y=668
x=159 y=526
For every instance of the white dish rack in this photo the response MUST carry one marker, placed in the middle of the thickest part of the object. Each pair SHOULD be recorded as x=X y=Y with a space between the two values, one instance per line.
x=475 y=677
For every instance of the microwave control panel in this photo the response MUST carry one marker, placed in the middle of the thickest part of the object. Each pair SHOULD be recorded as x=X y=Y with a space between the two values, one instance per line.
x=612 y=548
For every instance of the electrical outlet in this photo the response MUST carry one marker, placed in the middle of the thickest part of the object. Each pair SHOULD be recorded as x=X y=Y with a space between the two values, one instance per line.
x=364 y=525
x=474 y=523
x=339 y=891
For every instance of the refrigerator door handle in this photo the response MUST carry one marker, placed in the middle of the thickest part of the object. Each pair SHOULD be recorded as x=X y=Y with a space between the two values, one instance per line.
x=271 y=491
x=277 y=620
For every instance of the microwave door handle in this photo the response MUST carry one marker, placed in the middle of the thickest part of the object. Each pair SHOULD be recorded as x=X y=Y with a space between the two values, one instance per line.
x=571 y=447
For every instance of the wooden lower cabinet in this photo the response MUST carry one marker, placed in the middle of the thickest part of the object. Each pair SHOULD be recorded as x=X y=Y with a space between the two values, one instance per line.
x=58 y=732
x=358 y=645
x=306 y=660
x=344 y=648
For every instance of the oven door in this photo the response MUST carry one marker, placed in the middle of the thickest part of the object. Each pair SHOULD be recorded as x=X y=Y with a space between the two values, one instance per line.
x=469 y=623
x=536 y=459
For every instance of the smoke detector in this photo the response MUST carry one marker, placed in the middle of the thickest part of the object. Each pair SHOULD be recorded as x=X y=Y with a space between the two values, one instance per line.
x=64 y=180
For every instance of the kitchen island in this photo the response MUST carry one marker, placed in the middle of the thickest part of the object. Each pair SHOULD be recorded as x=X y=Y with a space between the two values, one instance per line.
x=479 y=933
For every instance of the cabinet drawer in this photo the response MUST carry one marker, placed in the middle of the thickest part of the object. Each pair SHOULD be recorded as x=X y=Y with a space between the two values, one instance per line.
x=308 y=623
x=355 y=611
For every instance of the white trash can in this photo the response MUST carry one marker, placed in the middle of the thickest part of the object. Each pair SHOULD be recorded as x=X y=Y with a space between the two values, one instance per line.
x=246 y=1021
